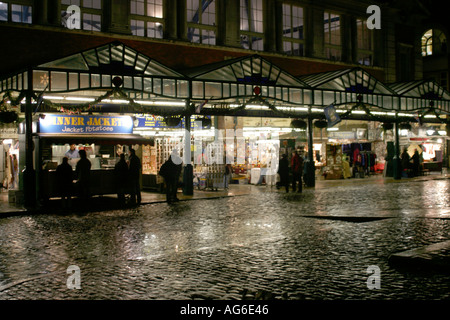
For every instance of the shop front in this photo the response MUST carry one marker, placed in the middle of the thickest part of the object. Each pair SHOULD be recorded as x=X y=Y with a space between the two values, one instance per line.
x=116 y=79
x=103 y=137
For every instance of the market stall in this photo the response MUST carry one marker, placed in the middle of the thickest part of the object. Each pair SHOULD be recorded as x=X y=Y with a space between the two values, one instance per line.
x=112 y=136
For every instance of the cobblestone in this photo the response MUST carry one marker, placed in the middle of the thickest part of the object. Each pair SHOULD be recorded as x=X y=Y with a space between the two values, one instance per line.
x=267 y=245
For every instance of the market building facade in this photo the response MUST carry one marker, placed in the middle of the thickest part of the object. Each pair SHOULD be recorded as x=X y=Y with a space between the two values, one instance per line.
x=263 y=70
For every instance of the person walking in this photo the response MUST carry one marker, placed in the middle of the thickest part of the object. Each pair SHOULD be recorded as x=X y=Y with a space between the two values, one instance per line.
x=83 y=173
x=121 y=178
x=134 y=176
x=283 y=171
x=64 y=174
x=416 y=163
x=297 y=171
x=170 y=171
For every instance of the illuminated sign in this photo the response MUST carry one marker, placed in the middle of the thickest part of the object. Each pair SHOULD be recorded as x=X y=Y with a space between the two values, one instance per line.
x=90 y=124
x=158 y=122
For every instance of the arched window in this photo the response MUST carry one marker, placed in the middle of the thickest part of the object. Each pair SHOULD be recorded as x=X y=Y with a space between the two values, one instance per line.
x=434 y=42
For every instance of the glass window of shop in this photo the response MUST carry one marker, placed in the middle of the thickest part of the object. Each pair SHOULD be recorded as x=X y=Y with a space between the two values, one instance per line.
x=147 y=18
x=201 y=21
x=364 y=43
x=293 y=30
x=91 y=14
x=251 y=19
x=332 y=36
x=19 y=13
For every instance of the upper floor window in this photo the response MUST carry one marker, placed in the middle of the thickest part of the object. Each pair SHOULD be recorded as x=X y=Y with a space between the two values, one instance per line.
x=293 y=30
x=90 y=14
x=434 y=42
x=252 y=27
x=201 y=21
x=147 y=18
x=16 y=12
x=364 y=43
x=332 y=36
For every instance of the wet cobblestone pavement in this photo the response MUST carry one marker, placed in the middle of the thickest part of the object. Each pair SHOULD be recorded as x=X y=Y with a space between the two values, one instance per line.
x=314 y=245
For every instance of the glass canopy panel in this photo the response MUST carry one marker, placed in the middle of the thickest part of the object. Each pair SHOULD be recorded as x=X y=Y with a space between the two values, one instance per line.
x=225 y=74
x=156 y=69
x=117 y=53
x=73 y=62
x=130 y=57
x=91 y=57
x=103 y=55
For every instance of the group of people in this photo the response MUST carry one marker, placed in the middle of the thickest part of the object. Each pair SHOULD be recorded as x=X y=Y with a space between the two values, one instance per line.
x=412 y=163
x=296 y=168
x=126 y=174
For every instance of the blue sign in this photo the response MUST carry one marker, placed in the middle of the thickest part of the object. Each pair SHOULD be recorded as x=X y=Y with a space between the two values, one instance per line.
x=90 y=124
x=331 y=115
x=158 y=122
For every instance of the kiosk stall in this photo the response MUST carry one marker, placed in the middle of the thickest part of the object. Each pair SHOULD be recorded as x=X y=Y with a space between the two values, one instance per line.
x=103 y=138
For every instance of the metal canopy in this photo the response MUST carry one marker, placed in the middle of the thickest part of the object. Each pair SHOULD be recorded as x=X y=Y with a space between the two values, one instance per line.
x=237 y=79
x=230 y=82
x=96 y=68
x=345 y=86
x=414 y=95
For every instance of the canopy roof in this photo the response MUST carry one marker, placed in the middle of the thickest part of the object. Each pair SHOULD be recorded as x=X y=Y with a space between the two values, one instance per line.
x=223 y=84
x=426 y=89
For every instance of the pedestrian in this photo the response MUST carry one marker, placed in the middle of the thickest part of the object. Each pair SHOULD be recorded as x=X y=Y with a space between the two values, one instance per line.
x=283 y=171
x=134 y=176
x=405 y=162
x=297 y=171
x=64 y=174
x=121 y=178
x=83 y=173
x=226 y=176
x=170 y=171
x=416 y=163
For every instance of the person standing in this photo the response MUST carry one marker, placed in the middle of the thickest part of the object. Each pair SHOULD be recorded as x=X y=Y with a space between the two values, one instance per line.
x=297 y=171
x=121 y=178
x=283 y=171
x=64 y=174
x=83 y=172
x=170 y=171
x=72 y=153
x=134 y=176
x=405 y=162
x=226 y=176
x=416 y=163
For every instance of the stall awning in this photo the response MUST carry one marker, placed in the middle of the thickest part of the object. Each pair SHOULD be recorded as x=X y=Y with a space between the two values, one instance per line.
x=111 y=139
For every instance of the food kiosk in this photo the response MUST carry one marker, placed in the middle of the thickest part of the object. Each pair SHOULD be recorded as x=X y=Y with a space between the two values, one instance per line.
x=103 y=137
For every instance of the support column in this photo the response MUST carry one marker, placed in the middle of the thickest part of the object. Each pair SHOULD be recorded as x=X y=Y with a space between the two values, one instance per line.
x=397 y=163
x=29 y=175
x=310 y=177
x=188 y=173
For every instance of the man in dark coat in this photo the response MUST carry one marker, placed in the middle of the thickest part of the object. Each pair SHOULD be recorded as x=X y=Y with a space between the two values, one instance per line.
x=170 y=171
x=297 y=171
x=405 y=161
x=64 y=174
x=134 y=176
x=83 y=171
x=121 y=176
x=283 y=171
